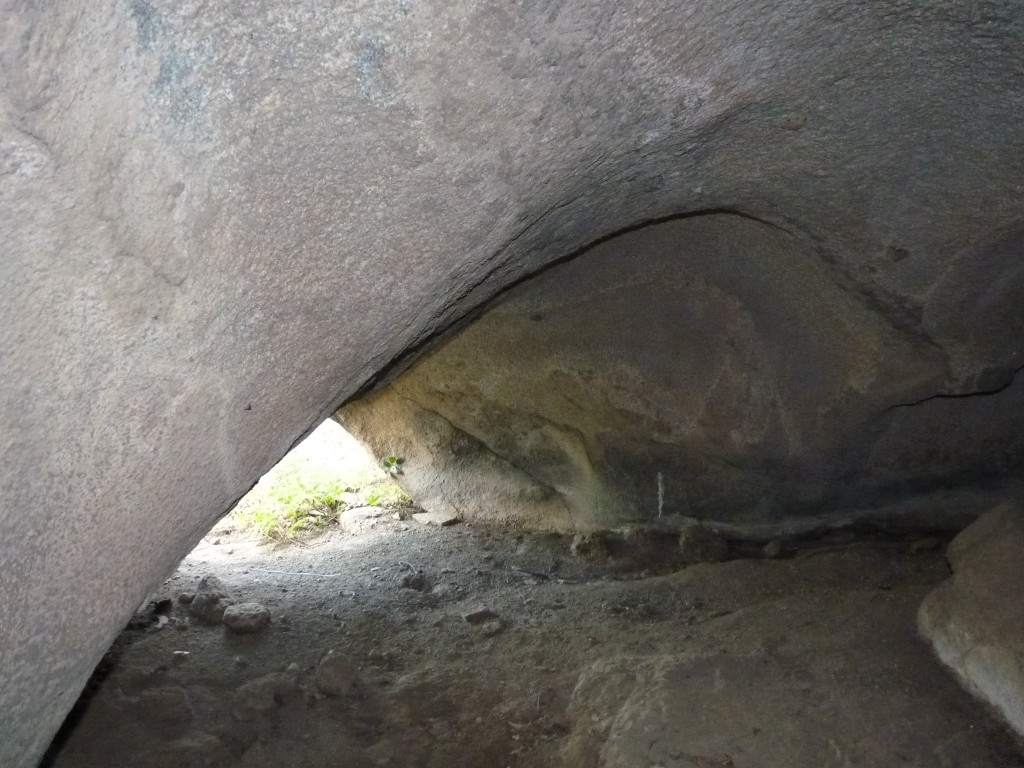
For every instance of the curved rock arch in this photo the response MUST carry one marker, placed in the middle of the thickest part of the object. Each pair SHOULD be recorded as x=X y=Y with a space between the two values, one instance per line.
x=221 y=221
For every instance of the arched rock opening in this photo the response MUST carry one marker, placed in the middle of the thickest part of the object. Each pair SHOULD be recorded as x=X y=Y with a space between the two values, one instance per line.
x=219 y=222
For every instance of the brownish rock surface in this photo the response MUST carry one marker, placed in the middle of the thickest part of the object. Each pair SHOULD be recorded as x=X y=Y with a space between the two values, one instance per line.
x=714 y=367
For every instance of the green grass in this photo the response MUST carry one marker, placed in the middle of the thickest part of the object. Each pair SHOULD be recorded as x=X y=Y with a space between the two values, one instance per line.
x=300 y=497
x=384 y=494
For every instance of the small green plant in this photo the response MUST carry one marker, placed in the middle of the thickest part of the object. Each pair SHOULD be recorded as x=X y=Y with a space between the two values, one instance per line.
x=393 y=464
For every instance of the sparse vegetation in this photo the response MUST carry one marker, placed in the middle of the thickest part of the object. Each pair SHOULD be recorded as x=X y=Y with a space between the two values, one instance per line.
x=385 y=494
x=310 y=488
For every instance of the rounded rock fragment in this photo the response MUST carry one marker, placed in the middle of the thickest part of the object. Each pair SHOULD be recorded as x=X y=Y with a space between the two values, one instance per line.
x=246 y=618
x=336 y=675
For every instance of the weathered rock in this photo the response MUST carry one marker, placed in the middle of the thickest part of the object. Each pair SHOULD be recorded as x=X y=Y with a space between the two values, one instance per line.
x=218 y=226
x=258 y=697
x=779 y=711
x=975 y=620
x=210 y=601
x=700 y=544
x=683 y=377
x=246 y=618
x=337 y=675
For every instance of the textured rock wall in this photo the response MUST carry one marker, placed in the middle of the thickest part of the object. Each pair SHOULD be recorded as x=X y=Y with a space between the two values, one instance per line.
x=715 y=367
x=218 y=221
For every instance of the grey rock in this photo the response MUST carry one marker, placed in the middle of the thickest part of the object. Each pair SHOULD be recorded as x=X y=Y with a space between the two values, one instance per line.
x=191 y=203
x=712 y=711
x=695 y=388
x=975 y=620
x=337 y=675
x=210 y=601
x=246 y=618
x=259 y=697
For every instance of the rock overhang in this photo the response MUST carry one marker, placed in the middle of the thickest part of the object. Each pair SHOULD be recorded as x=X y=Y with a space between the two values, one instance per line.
x=712 y=366
x=221 y=222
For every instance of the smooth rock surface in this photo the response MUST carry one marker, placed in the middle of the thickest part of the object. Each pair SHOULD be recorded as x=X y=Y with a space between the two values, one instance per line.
x=975 y=620
x=219 y=222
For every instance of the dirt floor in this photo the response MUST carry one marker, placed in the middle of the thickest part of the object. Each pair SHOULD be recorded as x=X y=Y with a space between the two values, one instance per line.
x=453 y=647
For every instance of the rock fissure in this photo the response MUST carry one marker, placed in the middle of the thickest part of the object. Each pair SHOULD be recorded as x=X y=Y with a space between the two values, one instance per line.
x=961 y=395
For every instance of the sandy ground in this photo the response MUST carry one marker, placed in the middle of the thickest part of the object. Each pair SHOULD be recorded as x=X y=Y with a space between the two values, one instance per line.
x=481 y=648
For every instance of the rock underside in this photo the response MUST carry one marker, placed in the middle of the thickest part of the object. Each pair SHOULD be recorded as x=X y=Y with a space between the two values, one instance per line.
x=220 y=222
